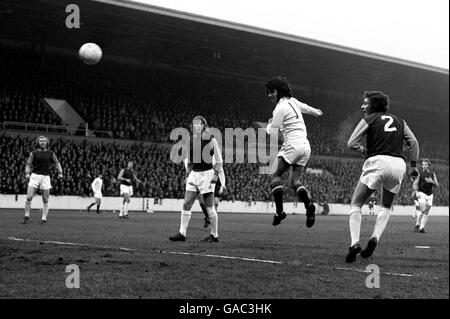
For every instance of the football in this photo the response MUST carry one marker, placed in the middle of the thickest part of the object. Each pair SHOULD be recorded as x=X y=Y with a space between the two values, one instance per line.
x=90 y=53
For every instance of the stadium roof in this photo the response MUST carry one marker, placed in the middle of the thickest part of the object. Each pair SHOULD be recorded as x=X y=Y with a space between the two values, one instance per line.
x=268 y=33
x=160 y=37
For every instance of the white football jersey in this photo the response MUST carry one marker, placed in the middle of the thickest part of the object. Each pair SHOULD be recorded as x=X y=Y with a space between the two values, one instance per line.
x=97 y=185
x=287 y=116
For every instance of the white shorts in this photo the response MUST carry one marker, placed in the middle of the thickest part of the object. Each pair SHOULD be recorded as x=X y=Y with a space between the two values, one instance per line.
x=40 y=181
x=126 y=189
x=424 y=200
x=200 y=182
x=296 y=153
x=98 y=195
x=383 y=171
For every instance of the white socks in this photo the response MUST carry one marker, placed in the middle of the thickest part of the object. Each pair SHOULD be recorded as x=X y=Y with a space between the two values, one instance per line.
x=419 y=218
x=27 y=208
x=185 y=217
x=380 y=224
x=45 y=211
x=424 y=221
x=355 y=224
x=123 y=209
x=214 y=219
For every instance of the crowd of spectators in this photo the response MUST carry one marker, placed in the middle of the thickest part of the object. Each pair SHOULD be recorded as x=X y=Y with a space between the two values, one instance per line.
x=144 y=104
x=333 y=179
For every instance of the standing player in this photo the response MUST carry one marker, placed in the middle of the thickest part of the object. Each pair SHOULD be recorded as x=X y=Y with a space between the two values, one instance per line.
x=384 y=166
x=38 y=165
x=127 y=177
x=423 y=187
x=218 y=191
x=295 y=152
x=202 y=175
x=97 y=186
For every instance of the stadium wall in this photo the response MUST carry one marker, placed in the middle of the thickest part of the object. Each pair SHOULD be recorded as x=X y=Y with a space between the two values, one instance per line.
x=139 y=204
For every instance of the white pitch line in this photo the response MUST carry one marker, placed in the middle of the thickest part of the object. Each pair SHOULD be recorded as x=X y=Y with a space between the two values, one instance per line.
x=220 y=256
x=66 y=243
x=423 y=247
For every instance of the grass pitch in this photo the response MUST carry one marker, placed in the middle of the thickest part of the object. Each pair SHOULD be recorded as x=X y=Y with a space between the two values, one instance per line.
x=253 y=259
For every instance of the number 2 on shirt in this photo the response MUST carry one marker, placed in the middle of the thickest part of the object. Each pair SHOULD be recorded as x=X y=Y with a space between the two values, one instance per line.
x=387 y=127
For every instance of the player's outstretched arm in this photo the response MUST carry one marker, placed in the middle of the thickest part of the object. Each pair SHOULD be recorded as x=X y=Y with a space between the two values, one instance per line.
x=354 y=142
x=307 y=109
x=29 y=165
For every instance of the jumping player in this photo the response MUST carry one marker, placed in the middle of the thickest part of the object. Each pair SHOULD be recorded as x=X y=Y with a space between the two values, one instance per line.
x=384 y=166
x=127 y=177
x=38 y=165
x=295 y=152
x=201 y=177
x=423 y=187
x=97 y=186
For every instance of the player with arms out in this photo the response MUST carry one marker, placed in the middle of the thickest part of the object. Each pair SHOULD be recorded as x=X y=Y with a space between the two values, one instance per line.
x=38 y=165
x=384 y=166
x=423 y=187
x=295 y=152
x=201 y=177
x=97 y=186
x=127 y=177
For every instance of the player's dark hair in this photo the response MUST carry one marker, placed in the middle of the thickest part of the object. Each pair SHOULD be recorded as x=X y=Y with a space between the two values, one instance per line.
x=426 y=160
x=281 y=84
x=378 y=102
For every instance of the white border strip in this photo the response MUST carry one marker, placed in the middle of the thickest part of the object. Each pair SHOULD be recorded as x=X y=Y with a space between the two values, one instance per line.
x=426 y=276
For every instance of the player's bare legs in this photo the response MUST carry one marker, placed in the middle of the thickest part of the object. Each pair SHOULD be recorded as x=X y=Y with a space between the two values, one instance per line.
x=31 y=191
x=423 y=222
x=360 y=195
x=213 y=218
x=45 y=198
x=201 y=201
x=97 y=202
x=277 y=190
x=294 y=182
x=189 y=199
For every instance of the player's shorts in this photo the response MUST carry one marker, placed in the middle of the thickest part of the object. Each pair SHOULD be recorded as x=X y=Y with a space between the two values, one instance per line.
x=383 y=171
x=200 y=182
x=98 y=195
x=296 y=153
x=40 y=181
x=126 y=189
x=424 y=200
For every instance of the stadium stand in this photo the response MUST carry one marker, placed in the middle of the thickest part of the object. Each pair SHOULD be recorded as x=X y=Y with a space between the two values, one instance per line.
x=83 y=159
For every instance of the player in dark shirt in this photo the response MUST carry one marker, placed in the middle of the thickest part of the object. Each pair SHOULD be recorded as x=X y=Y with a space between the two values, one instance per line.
x=384 y=166
x=127 y=177
x=37 y=170
x=202 y=174
x=423 y=188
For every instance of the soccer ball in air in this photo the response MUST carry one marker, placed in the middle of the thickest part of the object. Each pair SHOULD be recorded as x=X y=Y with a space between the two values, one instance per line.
x=90 y=53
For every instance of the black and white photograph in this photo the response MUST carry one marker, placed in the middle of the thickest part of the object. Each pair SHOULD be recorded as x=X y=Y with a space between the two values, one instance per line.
x=224 y=156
